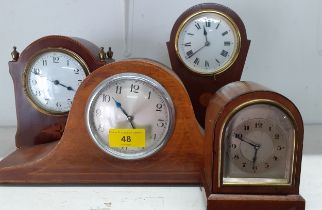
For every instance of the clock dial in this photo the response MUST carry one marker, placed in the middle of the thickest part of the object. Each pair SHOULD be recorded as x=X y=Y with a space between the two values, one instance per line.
x=131 y=101
x=258 y=145
x=208 y=42
x=52 y=79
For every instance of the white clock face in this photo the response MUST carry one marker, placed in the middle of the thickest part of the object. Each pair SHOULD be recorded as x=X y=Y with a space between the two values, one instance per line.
x=52 y=79
x=258 y=145
x=208 y=43
x=131 y=101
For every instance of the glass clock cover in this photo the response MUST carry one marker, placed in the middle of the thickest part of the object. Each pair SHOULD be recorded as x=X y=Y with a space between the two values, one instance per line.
x=258 y=144
x=208 y=42
x=52 y=78
x=130 y=101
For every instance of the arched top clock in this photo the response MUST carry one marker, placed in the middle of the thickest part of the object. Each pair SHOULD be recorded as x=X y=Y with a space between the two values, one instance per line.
x=46 y=76
x=207 y=48
x=253 y=148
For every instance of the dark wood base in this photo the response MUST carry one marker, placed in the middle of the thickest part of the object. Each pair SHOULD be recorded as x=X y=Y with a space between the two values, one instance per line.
x=255 y=202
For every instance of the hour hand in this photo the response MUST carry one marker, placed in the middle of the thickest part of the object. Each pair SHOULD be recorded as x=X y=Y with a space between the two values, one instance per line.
x=128 y=117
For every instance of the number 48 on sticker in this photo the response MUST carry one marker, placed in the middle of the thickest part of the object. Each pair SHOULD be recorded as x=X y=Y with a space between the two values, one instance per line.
x=126 y=137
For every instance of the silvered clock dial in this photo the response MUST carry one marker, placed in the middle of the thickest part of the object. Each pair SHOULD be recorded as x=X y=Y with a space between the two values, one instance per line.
x=130 y=101
x=258 y=145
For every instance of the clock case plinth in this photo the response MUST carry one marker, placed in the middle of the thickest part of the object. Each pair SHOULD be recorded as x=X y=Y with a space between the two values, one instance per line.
x=248 y=197
x=201 y=87
x=76 y=159
x=33 y=126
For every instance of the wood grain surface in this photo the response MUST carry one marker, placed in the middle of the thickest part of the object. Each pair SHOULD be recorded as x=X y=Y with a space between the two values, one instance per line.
x=33 y=126
x=76 y=159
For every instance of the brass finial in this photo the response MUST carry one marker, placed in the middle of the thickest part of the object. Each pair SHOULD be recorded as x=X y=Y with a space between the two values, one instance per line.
x=109 y=53
x=102 y=55
x=15 y=54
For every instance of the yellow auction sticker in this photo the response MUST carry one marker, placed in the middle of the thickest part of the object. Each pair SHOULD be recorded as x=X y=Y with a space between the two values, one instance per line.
x=126 y=137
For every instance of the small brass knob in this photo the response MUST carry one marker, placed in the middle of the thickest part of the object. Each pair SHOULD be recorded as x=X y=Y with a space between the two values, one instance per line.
x=102 y=55
x=109 y=53
x=15 y=54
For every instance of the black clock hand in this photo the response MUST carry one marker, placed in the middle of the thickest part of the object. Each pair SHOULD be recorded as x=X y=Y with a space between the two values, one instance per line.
x=248 y=142
x=128 y=117
x=255 y=156
x=205 y=45
x=56 y=82
x=205 y=33
x=196 y=51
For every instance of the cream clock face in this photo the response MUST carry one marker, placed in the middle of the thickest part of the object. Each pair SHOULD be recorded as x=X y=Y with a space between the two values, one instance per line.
x=130 y=101
x=52 y=79
x=208 y=42
x=258 y=146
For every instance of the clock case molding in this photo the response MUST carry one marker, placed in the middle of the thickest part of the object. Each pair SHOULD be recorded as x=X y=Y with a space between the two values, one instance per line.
x=201 y=87
x=76 y=159
x=254 y=197
x=33 y=126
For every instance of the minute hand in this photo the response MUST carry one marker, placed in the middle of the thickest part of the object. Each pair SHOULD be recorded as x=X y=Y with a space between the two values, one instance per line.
x=196 y=51
x=250 y=143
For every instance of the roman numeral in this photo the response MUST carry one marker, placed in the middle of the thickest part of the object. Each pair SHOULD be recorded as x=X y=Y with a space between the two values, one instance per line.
x=190 y=34
x=196 y=61
x=189 y=53
x=227 y=43
x=224 y=53
x=206 y=64
x=218 y=25
x=217 y=61
x=225 y=33
x=208 y=23
x=197 y=26
x=188 y=44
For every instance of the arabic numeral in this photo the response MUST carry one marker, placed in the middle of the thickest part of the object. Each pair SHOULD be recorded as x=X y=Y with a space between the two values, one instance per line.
x=118 y=89
x=36 y=71
x=158 y=107
x=134 y=88
x=55 y=59
x=160 y=123
x=106 y=98
x=126 y=139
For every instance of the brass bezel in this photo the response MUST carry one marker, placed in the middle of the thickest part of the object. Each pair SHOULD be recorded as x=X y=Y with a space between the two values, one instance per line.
x=268 y=182
x=235 y=29
x=33 y=103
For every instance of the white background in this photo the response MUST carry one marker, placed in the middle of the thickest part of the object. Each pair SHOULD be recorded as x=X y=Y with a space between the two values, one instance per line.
x=285 y=53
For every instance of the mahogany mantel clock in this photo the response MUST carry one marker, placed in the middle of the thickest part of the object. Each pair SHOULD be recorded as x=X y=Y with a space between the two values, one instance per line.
x=253 y=150
x=131 y=122
x=207 y=48
x=46 y=76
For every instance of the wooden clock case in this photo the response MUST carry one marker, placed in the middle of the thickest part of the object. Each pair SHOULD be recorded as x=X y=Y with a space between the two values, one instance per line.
x=247 y=197
x=33 y=126
x=75 y=158
x=201 y=87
